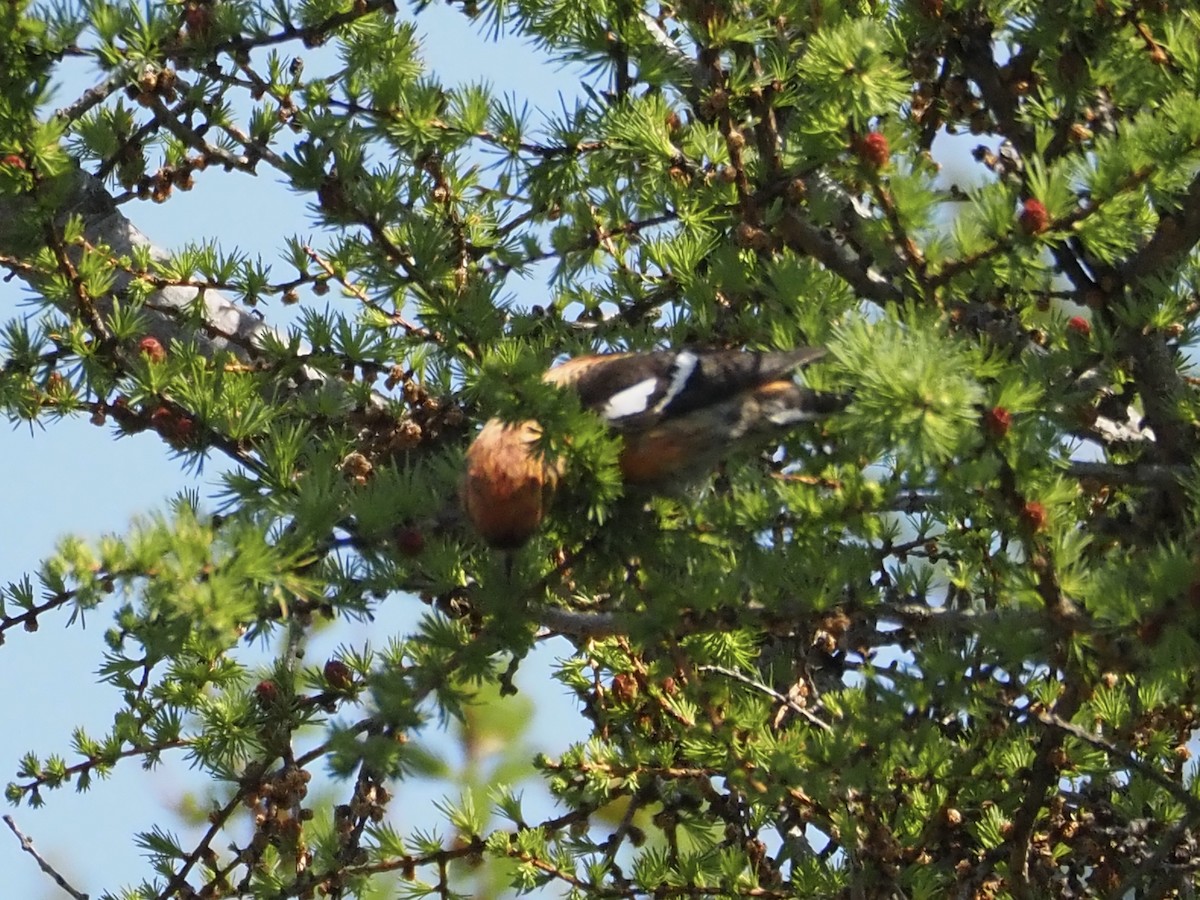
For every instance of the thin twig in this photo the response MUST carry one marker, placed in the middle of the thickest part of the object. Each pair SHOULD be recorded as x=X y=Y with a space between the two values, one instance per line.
x=27 y=846
x=361 y=295
x=770 y=692
x=1176 y=790
x=1130 y=473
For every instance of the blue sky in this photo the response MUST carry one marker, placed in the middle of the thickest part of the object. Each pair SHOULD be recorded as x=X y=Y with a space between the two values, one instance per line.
x=72 y=477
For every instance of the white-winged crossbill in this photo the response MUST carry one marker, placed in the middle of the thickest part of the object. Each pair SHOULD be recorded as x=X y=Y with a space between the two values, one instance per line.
x=677 y=412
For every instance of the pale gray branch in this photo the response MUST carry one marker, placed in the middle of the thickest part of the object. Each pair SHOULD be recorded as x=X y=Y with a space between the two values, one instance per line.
x=171 y=311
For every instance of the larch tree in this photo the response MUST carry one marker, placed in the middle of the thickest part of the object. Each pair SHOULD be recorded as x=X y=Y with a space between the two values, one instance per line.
x=944 y=644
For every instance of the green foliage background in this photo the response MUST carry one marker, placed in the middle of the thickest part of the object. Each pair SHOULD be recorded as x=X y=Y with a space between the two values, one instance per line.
x=944 y=646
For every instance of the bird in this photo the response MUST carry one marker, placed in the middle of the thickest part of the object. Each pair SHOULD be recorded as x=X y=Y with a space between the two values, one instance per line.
x=678 y=413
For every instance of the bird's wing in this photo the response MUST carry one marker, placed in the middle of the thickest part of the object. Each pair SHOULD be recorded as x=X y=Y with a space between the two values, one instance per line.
x=636 y=391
